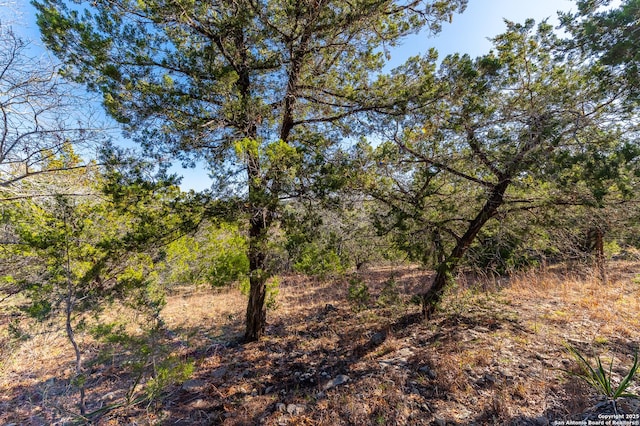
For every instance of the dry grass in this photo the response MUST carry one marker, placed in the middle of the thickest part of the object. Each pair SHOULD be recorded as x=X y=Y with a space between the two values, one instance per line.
x=491 y=356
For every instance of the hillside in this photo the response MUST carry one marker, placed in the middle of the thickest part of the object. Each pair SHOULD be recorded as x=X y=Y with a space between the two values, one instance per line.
x=491 y=356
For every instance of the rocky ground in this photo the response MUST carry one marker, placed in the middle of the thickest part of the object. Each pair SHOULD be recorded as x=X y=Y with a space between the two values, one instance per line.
x=495 y=354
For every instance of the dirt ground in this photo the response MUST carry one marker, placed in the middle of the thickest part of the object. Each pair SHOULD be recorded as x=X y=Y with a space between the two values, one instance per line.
x=494 y=354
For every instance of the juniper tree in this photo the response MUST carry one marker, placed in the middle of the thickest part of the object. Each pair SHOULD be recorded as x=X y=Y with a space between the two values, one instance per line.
x=93 y=242
x=523 y=127
x=256 y=86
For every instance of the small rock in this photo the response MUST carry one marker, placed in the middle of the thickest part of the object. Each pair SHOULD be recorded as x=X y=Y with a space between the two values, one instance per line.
x=541 y=420
x=268 y=390
x=486 y=380
x=280 y=407
x=440 y=421
x=427 y=371
x=425 y=408
x=404 y=353
x=110 y=396
x=399 y=360
x=194 y=385
x=330 y=308
x=489 y=378
x=37 y=421
x=295 y=409
x=219 y=372
x=507 y=375
x=199 y=404
x=378 y=338
x=339 y=380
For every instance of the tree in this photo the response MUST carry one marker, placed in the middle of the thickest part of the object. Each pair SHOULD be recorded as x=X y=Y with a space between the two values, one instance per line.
x=37 y=110
x=215 y=256
x=95 y=241
x=499 y=135
x=324 y=239
x=610 y=36
x=249 y=85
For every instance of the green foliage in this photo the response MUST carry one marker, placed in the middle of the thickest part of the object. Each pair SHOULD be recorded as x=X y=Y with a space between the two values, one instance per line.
x=330 y=237
x=611 y=36
x=81 y=243
x=79 y=254
x=270 y=98
x=497 y=140
x=16 y=331
x=168 y=372
x=612 y=248
x=215 y=256
x=508 y=246
x=358 y=292
x=273 y=289
x=145 y=355
x=600 y=379
x=40 y=308
x=318 y=261
x=389 y=295
x=109 y=332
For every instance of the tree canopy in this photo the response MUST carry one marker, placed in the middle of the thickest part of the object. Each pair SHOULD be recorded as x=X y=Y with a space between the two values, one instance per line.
x=524 y=127
x=322 y=161
x=267 y=92
x=253 y=85
x=36 y=110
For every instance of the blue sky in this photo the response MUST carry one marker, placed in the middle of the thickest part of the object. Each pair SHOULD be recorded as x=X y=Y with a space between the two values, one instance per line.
x=468 y=33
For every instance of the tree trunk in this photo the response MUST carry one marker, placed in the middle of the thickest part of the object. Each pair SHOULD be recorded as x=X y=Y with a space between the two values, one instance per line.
x=69 y=301
x=260 y=206
x=259 y=223
x=256 y=313
x=445 y=270
x=600 y=259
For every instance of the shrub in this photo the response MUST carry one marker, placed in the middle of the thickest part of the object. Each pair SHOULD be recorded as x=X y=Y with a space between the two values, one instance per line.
x=389 y=294
x=358 y=292
x=216 y=257
x=318 y=261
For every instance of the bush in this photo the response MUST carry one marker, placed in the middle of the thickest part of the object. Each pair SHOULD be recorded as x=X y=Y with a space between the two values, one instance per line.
x=168 y=372
x=502 y=255
x=389 y=294
x=216 y=257
x=318 y=261
x=358 y=292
